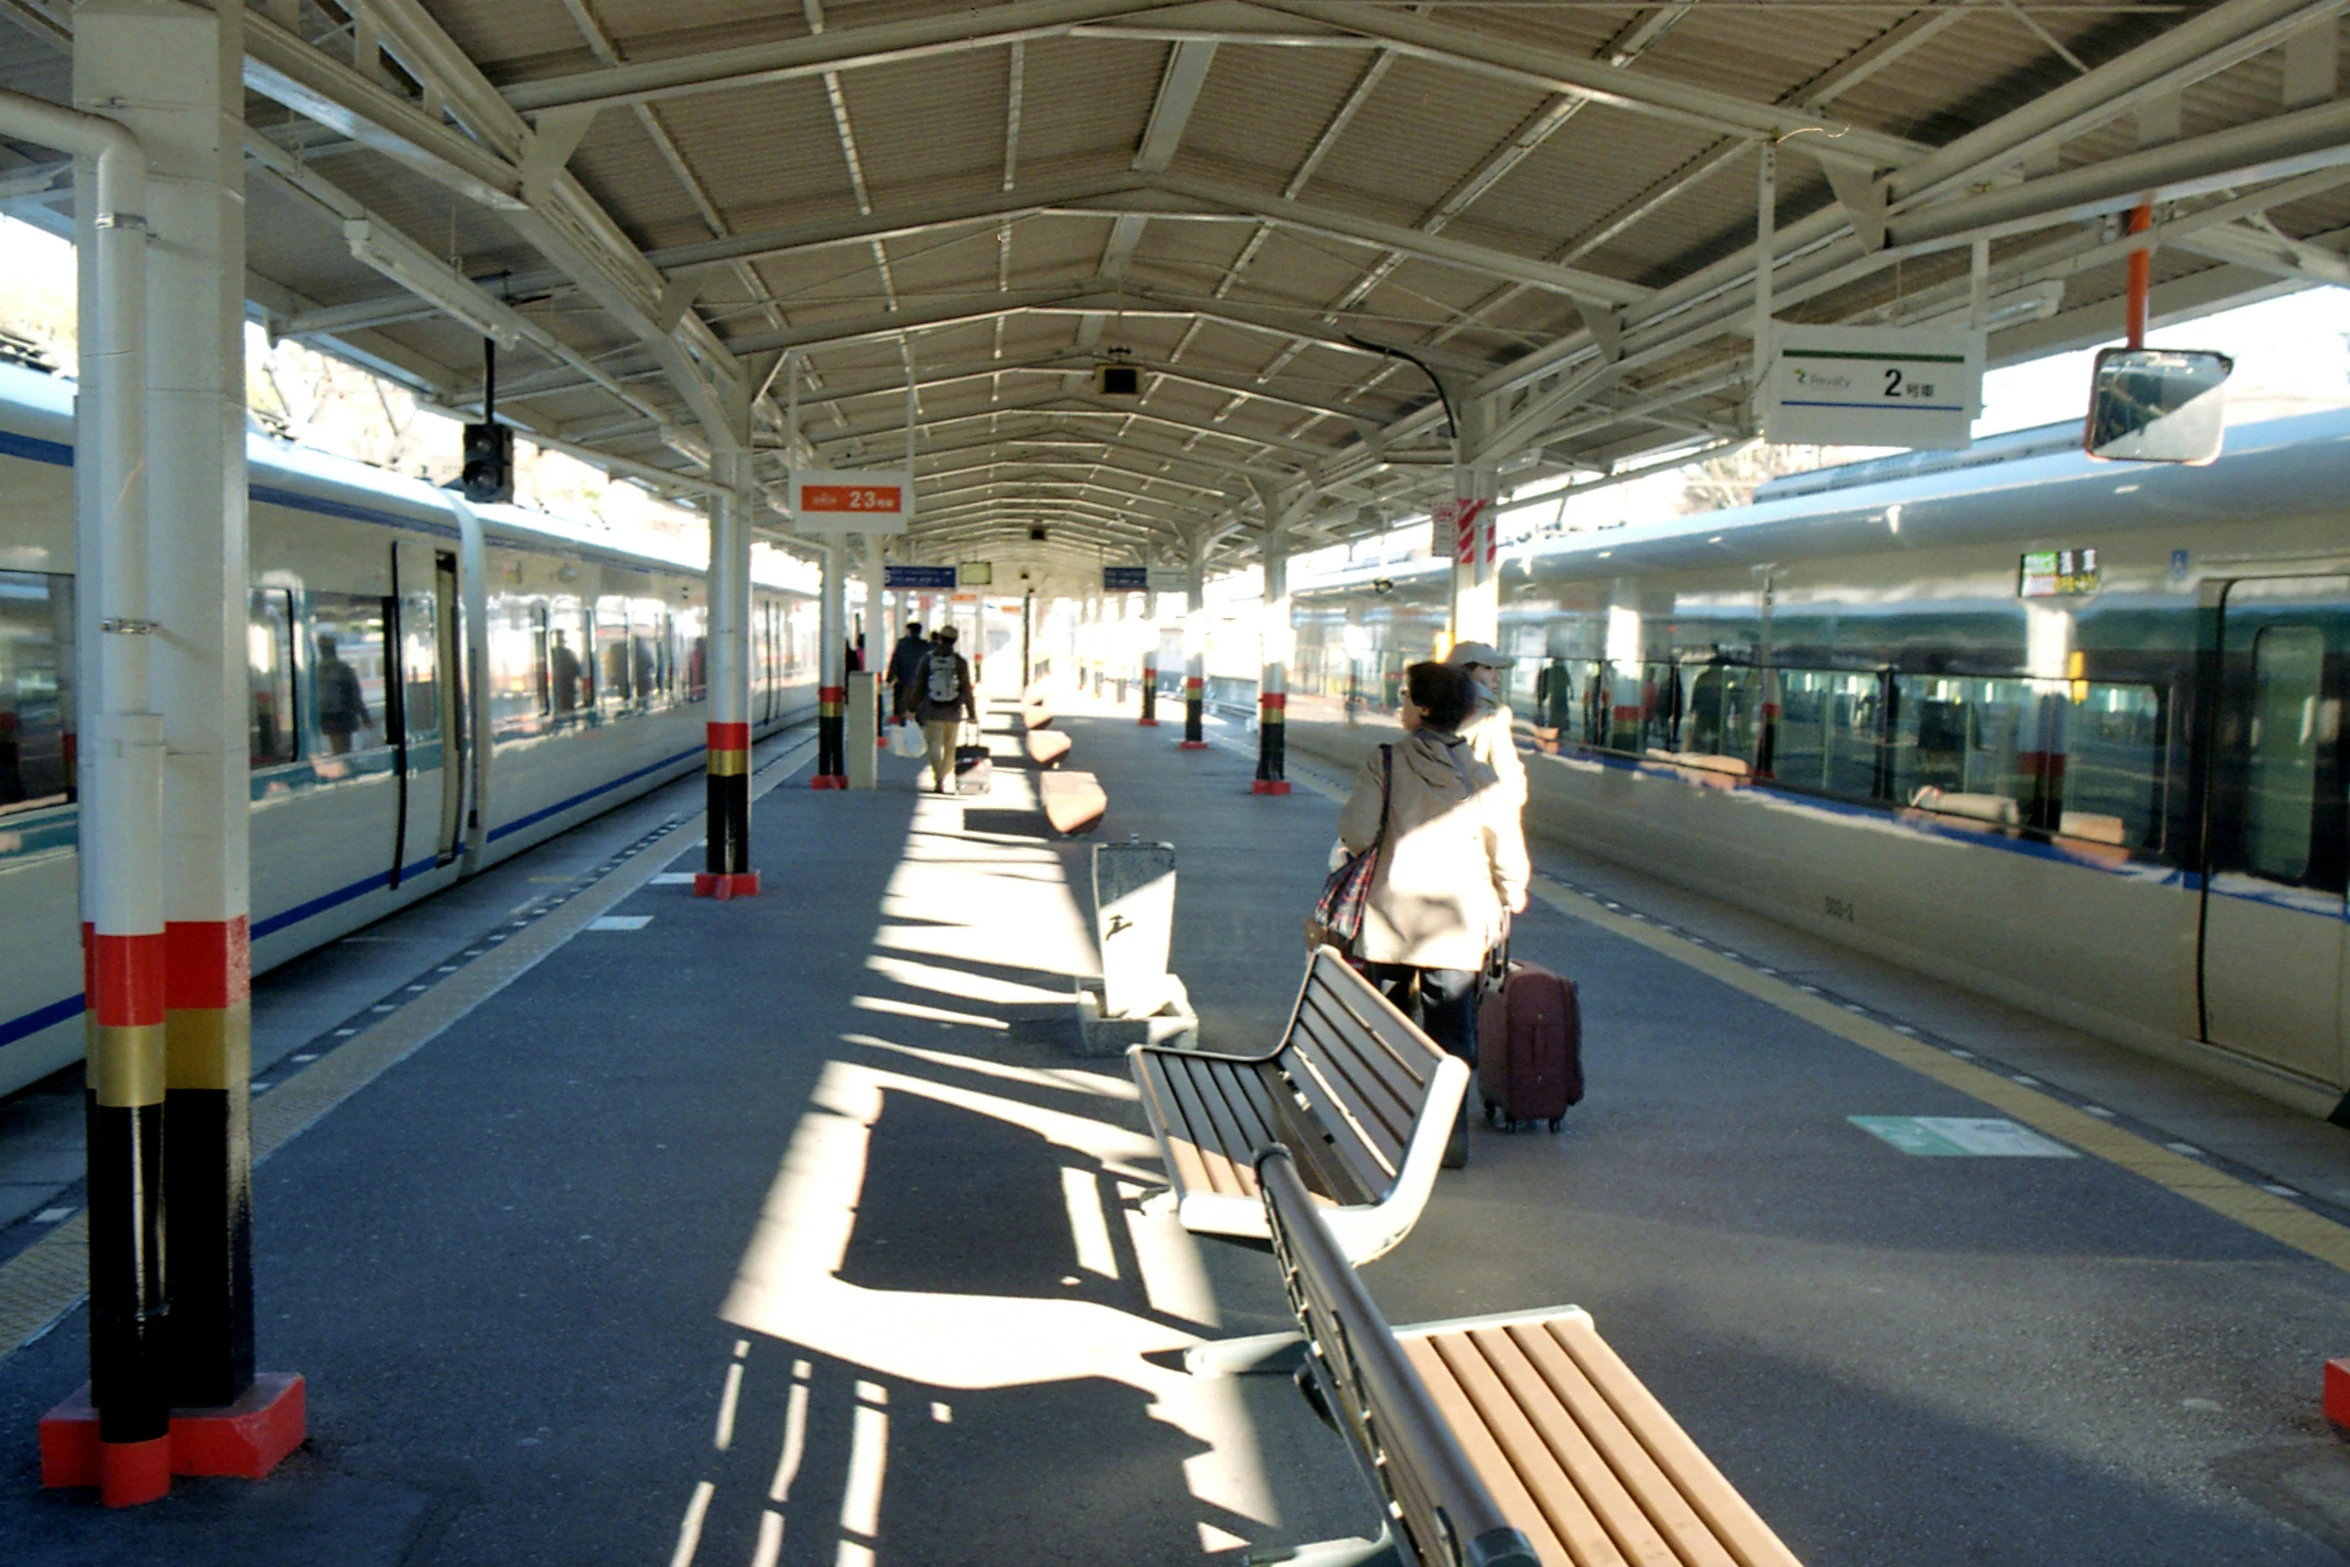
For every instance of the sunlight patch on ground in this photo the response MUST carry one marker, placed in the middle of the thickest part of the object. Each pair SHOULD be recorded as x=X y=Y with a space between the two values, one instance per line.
x=789 y=1287
x=921 y=1013
x=1071 y=1079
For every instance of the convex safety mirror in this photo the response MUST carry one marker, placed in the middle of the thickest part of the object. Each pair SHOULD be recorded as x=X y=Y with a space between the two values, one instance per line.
x=2156 y=405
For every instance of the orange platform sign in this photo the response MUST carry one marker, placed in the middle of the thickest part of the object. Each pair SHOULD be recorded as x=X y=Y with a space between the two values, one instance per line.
x=850 y=501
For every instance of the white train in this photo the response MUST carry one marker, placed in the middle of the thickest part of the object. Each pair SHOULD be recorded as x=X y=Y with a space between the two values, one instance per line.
x=2066 y=732
x=392 y=632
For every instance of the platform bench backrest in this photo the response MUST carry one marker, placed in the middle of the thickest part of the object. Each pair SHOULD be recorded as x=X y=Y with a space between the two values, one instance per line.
x=1358 y=1066
x=1441 y=1510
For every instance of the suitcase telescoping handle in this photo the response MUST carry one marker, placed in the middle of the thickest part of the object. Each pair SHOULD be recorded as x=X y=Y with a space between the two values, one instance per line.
x=1497 y=958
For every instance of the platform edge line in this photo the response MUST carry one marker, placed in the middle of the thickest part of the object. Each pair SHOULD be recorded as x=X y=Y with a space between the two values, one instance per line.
x=2284 y=1222
x=42 y=1284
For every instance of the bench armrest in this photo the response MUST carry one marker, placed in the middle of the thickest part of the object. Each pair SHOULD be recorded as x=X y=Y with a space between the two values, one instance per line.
x=1396 y=1431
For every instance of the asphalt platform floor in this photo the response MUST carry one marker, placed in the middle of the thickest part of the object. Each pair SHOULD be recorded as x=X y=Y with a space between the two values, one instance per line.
x=798 y=1230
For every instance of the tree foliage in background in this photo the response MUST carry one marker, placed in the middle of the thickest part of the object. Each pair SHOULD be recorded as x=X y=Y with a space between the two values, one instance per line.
x=1729 y=479
x=331 y=406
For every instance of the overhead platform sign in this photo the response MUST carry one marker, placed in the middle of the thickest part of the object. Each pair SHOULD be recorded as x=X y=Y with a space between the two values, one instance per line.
x=1142 y=579
x=924 y=579
x=1873 y=386
x=843 y=500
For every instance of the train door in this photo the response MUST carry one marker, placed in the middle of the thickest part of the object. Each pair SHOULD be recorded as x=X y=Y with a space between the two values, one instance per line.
x=450 y=649
x=2273 y=919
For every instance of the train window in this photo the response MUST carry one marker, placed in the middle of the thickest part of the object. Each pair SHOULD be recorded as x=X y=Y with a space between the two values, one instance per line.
x=420 y=669
x=649 y=637
x=1964 y=738
x=2280 y=764
x=2116 y=748
x=1830 y=729
x=1721 y=704
x=1661 y=695
x=520 y=694
x=269 y=674
x=347 y=670
x=36 y=690
x=693 y=641
x=800 y=664
x=615 y=656
x=571 y=673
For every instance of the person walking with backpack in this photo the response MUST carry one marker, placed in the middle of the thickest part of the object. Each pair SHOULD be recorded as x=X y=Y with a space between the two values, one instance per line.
x=1451 y=866
x=905 y=662
x=947 y=698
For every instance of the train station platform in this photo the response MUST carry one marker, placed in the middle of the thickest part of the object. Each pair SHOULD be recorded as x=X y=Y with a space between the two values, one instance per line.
x=796 y=1230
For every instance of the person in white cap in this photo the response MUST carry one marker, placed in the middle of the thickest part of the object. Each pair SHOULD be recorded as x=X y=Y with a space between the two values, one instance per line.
x=1491 y=731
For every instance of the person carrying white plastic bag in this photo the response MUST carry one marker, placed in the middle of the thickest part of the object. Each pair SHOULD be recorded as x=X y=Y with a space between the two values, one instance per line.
x=948 y=699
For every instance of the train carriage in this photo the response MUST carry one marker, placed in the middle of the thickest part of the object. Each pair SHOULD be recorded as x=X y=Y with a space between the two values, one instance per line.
x=433 y=687
x=2066 y=732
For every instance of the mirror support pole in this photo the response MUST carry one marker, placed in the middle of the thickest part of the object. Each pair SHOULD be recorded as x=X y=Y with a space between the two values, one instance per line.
x=2141 y=273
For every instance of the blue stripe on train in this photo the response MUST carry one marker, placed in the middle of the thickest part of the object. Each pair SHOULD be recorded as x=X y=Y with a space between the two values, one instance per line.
x=561 y=806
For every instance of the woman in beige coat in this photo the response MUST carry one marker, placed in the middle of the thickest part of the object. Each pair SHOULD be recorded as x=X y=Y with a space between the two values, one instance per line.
x=1452 y=867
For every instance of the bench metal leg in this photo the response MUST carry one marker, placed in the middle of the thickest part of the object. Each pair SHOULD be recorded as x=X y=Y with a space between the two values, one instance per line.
x=1335 y=1553
x=1258 y=1352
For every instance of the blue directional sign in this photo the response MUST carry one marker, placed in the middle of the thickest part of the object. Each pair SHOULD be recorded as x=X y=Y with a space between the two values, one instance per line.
x=928 y=579
x=1126 y=579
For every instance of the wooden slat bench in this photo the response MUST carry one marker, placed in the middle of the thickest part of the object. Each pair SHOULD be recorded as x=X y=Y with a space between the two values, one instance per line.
x=1360 y=1096
x=1543 y=1433
x=1047 y=746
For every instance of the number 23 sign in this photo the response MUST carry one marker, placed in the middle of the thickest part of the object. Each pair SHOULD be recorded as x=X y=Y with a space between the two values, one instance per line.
x=876 y=500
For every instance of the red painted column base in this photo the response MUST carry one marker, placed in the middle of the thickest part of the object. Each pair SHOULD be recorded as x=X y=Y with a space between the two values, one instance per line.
x=739 y=884
x=2338 y=1392
x=829 y=781
x=1146 y=723
x=1269 y=786
x=1191 y=745
x=243 y=1441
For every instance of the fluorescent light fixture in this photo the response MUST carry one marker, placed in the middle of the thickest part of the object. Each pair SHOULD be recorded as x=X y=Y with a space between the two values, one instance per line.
x=435 y=282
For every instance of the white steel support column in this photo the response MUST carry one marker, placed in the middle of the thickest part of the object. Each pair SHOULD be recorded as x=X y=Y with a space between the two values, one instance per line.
x=1476 y=572
x=1149 y=715
x=833 y=663
x=727 y=871
x=876 y=632
x=177 y=71
x=1274 y=639
x=1195 y=641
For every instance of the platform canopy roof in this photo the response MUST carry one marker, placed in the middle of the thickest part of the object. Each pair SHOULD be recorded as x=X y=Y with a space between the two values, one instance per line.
x=1343 y=242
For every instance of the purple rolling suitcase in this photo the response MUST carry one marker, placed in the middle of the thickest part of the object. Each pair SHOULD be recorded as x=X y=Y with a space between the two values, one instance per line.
x=1529 y=1048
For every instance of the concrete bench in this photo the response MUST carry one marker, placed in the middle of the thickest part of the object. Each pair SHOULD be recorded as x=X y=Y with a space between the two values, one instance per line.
x=1073 y=802
x=1523 y=1433
x=1362 y=1098
x=1047 y=746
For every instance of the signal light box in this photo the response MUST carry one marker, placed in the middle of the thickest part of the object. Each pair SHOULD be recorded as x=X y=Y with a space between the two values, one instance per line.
x=843 y=500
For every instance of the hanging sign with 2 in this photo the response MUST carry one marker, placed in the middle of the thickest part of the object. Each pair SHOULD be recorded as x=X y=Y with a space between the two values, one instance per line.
x=1873 y=386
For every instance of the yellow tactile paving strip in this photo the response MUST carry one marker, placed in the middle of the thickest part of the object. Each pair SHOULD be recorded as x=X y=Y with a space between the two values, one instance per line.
x=2278 y=1218
x=47 y=1279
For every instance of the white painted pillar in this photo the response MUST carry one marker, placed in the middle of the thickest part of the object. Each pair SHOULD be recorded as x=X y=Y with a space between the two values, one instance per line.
x=1476 y=571
x=727 y=872
x=1275 y=641
x=833 y=663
